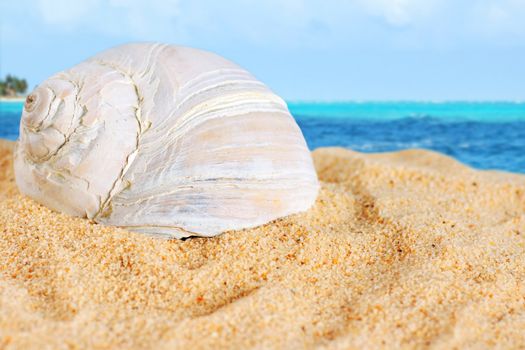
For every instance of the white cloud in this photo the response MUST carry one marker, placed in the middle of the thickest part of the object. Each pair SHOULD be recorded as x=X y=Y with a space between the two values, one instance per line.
x=138 y=18
x=293 y=23
x=400 y=12
x=499 y=19
x=65 y=12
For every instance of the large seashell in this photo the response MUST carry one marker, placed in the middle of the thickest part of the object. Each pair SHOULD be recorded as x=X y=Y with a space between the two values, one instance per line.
x=163 y=140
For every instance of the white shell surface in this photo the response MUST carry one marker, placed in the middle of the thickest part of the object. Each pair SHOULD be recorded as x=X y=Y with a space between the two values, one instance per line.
x=164 y=140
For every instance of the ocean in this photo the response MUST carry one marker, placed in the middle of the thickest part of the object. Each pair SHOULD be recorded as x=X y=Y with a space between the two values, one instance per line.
x=484 y=135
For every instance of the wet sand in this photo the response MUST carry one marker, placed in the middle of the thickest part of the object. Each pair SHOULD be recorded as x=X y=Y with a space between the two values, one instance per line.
x=408 y=249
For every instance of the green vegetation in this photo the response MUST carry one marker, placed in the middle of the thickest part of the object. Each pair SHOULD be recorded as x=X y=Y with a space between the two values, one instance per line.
x=12 y=86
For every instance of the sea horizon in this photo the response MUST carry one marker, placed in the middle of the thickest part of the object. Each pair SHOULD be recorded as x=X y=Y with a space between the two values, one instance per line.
x=484 y=135
x=341 y=101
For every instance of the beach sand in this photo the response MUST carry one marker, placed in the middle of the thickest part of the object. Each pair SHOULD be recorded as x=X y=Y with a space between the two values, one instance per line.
x=402 y=250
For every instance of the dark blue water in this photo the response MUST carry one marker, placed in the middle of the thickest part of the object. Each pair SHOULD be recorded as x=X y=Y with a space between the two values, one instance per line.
x=483 y=135
x=479 y=144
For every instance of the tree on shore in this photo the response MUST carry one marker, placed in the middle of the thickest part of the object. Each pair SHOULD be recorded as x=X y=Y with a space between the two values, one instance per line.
x=12 y=86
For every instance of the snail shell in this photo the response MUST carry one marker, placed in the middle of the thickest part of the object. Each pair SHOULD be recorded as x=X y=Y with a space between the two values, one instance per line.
x=163 y=140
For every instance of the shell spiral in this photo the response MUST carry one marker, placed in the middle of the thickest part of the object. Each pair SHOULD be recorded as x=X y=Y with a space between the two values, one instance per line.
x=163 y=140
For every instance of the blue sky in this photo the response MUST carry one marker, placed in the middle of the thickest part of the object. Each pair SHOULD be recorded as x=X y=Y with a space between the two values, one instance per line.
x=303 y=49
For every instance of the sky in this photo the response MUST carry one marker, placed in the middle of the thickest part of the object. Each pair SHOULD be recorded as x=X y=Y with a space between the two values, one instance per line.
x=429 y=50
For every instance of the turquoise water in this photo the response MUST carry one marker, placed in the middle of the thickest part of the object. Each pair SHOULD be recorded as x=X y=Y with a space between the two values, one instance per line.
x=485 y=135
x=380 y=111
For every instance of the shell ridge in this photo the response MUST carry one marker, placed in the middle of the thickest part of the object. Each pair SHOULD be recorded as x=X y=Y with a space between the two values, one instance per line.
x=219 y=74
x=154 y=51
x=78 y=88
x=106 y=203
x=211 y=87
x=67 y=137
x=186 y=89
x=214 y=109
x=286 y=183
x=229 y=147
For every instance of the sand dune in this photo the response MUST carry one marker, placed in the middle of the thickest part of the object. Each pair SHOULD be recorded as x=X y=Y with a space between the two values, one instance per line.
x=408 y=249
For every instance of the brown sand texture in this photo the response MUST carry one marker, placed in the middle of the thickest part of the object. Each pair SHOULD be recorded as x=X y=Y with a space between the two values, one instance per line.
x=404 y=250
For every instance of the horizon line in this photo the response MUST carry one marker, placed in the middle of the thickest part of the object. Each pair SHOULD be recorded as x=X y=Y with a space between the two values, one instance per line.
x=430 y=101
x=21 y=98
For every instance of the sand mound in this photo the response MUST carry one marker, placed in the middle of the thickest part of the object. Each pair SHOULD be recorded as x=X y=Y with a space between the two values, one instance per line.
x=408 y=249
